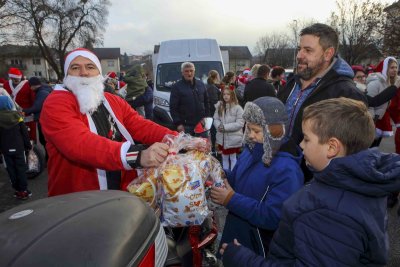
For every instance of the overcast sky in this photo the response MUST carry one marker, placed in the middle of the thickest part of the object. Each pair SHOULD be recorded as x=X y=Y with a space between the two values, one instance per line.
x=136 y=26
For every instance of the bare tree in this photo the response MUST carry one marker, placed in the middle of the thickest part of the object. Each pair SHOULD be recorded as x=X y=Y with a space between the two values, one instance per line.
x=359 y=24
x=57 y=26
x=7 y=21
x=272 y=49
x=392 y=30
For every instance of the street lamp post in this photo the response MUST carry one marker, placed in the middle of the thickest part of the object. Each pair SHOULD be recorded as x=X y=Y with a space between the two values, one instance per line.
x=295 y=43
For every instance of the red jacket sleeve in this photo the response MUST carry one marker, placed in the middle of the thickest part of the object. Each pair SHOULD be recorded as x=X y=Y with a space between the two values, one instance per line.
x=67 y=129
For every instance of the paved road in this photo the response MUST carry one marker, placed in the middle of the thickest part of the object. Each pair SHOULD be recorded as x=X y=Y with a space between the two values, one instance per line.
x=38 y=186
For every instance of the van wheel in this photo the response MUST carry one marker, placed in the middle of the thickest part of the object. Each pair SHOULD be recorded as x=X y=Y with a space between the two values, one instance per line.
x=36 y=162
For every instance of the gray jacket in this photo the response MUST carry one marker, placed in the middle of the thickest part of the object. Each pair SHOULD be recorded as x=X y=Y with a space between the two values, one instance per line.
x=232 y=120
x=376 y=83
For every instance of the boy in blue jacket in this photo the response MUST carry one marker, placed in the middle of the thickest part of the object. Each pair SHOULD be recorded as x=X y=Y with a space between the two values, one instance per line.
x=339 y=218
x=266 y=174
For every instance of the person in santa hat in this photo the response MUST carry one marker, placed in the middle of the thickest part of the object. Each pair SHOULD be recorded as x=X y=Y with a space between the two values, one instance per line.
x=245 y=76
x=19 y=89
x=119 y=86
x=385 y=75
x=90 y=134
x=21 y=94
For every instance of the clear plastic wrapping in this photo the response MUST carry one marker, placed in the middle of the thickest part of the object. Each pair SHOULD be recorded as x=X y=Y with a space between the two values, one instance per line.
x=178 y=186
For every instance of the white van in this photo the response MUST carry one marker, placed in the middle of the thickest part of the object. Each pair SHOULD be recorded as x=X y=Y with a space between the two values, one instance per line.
x=205 y=54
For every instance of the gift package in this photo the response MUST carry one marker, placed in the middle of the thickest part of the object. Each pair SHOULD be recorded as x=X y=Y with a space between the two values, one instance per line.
x=178 y=187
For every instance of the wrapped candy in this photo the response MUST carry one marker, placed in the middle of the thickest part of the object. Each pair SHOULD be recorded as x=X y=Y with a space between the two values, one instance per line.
x=146 y=186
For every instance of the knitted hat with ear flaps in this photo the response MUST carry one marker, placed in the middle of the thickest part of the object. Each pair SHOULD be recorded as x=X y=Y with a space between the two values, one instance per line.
x=266 y=111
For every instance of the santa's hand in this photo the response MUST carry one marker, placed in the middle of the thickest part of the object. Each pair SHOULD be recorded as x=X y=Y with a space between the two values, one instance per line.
x=154 y=155
x=222 y=195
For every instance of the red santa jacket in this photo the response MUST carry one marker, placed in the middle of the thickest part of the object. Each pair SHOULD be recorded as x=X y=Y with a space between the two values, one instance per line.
x=24 y=97
x=22 y=93
x=76 y=153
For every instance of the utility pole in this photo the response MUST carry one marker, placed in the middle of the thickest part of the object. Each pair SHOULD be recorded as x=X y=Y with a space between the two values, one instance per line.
x=295 y=43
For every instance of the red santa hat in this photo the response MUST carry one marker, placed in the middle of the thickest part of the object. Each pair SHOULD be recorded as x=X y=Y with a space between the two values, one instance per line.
x=112 y=75
x=83 y=53
x=246 y=71
x=14 y=73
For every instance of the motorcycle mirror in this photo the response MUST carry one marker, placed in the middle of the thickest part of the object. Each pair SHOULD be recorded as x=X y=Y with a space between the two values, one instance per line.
x=204 y=125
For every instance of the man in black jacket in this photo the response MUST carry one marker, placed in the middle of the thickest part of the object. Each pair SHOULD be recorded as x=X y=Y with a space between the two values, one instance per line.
x=259 y=87
x=320 y=75
x=189 y=100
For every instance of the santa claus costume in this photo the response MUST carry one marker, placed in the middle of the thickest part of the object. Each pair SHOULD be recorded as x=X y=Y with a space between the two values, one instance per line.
x=22 y=95
x=376 y=83
x=88 y=151
x=119 y=84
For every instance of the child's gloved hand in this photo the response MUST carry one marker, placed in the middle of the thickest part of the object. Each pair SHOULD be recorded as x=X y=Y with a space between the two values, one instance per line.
x=225 y=245
x=222 y=195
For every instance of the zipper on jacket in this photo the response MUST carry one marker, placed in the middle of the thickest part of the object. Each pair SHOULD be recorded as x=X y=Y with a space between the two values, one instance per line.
x=258 y=231
x=294 y=110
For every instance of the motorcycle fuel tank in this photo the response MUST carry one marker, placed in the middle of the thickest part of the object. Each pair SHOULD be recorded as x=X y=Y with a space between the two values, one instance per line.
x=92 y=228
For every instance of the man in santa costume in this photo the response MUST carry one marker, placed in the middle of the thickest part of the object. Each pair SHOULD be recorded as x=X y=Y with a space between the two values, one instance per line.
x=21 y=93
x=19 y=90
x=90 y=134
x=119 y=86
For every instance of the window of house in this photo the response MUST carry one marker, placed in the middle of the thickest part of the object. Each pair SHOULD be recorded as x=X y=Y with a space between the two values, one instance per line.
x=110 y=63
x=36 y=61
x=38 y=73
x=16 y=61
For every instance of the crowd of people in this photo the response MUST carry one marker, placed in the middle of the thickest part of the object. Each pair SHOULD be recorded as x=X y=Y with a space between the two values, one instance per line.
x=306 y=183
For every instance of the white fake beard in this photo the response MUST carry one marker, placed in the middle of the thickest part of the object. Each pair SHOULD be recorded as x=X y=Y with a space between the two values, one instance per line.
x=88 y=91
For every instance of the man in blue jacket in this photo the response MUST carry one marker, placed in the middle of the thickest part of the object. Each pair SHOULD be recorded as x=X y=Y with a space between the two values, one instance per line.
x=189 y=100
x=320 y=74
x=340 y=218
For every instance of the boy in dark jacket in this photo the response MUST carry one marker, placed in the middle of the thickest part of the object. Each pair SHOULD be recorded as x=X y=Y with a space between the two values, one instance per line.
x=339 y=219
x=266 y=174
x=14 y=141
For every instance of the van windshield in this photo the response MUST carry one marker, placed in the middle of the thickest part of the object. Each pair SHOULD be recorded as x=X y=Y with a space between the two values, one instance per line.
x=169 y=73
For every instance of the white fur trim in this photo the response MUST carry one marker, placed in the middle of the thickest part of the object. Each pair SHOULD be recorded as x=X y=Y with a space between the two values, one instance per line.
x=18 y=88
x=380 y=133
x=15 y=76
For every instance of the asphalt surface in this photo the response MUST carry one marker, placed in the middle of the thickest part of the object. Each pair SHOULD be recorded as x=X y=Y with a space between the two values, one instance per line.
x=38 y=186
